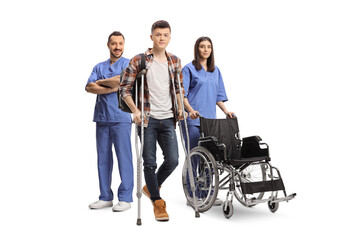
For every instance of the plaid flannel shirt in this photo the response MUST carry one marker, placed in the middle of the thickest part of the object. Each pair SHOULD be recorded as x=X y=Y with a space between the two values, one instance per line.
x=133 y=69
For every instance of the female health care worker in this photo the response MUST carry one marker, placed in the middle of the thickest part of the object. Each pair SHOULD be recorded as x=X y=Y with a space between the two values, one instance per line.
x=113 y=127
x=204 y=90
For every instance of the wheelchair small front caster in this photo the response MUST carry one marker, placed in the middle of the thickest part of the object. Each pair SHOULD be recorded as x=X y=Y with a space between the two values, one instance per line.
x=228 y=210
x=273 y=206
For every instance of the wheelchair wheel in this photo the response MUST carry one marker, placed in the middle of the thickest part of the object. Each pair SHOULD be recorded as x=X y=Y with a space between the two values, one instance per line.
x=273 y=206
x=252 y=173
x=229 y=210
x=206 y=178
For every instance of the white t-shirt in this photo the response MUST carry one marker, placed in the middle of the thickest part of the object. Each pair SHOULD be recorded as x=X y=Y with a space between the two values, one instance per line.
x=158 y=79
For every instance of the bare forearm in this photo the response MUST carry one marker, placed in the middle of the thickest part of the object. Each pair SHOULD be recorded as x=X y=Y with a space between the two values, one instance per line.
x=222 y=106
x=97 y=89
x=136 y=112
x=130 y=102
x=112 y=82
x=178 y=98
x=187 y=105
x=181 y=114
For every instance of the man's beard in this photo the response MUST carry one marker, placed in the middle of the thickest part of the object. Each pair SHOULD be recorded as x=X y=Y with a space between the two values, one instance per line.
x=113 y=54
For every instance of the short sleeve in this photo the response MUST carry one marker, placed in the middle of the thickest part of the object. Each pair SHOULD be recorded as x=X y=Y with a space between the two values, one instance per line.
x=93 y=76
x=186 y=79
x=221 y=93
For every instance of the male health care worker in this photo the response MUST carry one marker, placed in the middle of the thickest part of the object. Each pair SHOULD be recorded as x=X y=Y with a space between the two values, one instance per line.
x=113 y=127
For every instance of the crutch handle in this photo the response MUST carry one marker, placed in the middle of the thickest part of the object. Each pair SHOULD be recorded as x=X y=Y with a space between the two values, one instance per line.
x=143 y=72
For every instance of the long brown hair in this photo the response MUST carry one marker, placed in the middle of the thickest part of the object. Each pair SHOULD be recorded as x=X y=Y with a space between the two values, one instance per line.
x=210 y=63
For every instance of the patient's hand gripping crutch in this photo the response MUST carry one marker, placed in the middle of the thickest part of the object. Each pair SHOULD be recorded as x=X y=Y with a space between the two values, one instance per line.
x=139 y=153
x=186 y=148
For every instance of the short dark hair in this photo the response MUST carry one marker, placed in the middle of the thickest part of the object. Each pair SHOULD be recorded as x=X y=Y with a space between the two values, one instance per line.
x=210 y=61
x=115 y=33
x=160 y=24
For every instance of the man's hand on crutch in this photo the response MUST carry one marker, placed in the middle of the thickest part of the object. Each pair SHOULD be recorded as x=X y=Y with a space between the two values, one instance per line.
x=136 y=112
x=137 y=117
x=180 y=113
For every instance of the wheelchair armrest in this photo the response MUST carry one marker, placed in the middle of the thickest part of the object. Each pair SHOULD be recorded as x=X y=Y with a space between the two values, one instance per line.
x=211 y=143
x=208 y=138
x=252 y=138
x=252 y=147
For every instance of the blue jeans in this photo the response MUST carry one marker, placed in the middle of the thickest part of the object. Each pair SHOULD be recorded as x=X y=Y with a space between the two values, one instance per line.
x=107 y=135
x=163 y=133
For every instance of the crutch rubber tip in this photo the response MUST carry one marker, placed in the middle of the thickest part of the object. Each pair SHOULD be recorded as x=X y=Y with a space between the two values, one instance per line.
x=197 y=214
x=138 y=222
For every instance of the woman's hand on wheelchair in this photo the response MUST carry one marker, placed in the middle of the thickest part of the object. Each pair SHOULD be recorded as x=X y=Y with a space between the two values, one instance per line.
x=194 y=114
x=230 y=115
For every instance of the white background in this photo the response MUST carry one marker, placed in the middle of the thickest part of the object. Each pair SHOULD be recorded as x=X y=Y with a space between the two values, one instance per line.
x=290 y=69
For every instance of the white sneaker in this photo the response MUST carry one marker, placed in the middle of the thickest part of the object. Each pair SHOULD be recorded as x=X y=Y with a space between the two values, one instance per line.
x=121 y=206
x=100 y=204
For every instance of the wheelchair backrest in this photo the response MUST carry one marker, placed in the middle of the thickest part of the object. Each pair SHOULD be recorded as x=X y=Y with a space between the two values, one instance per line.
x=226 y=131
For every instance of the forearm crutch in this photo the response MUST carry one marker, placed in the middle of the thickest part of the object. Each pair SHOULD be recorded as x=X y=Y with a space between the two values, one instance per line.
x=139 y=153
x=186 y=148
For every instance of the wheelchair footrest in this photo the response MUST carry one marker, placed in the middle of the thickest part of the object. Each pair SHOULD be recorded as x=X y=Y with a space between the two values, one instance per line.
x=287 y=198
x=264 y=186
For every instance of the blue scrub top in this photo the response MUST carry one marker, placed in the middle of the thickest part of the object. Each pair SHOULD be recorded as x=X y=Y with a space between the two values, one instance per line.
x=106 y=106
x=203 y=90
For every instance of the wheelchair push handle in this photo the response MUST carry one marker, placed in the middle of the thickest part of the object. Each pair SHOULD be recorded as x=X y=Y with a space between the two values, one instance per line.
x=196 y=114
x=227 y=116
x=232 y=115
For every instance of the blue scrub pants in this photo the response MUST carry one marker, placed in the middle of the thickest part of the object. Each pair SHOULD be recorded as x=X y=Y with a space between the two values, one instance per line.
x=194 y=135
x=162 y=132
x=117 y=134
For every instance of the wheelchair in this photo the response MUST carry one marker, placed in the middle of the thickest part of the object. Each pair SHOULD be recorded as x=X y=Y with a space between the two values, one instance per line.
x=224 y=161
